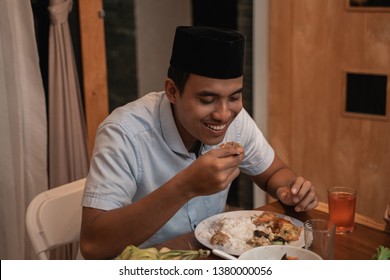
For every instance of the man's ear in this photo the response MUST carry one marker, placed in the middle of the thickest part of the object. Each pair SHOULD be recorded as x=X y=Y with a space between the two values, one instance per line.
x=170 y=90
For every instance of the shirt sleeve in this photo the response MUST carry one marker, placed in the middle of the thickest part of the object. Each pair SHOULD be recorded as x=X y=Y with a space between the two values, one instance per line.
x=111 y=181
x=258 y=152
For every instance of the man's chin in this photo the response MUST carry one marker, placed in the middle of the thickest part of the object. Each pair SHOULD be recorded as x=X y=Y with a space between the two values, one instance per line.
x=213 y=142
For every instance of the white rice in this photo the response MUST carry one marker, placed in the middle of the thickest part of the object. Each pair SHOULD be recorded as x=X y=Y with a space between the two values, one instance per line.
x=239 y=232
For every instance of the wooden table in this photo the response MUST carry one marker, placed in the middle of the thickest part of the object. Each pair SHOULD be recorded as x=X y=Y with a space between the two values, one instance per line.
x=358 y=245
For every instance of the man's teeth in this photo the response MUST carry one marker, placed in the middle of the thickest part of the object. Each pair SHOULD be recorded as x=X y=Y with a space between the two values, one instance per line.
x=216 y=127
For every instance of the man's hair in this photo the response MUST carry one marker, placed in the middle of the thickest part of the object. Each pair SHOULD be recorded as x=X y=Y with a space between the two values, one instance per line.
x=179 y=77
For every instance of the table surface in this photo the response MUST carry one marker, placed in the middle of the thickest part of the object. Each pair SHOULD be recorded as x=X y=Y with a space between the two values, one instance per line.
x=361 y=244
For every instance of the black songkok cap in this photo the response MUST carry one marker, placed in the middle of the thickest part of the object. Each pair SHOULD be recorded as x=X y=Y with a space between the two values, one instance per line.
x=208 y=51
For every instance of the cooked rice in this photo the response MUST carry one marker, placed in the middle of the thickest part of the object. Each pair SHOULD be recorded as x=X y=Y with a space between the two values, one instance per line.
x=239 y=230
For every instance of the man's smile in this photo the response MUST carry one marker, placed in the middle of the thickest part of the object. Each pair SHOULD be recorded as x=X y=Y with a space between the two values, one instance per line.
x=216 y=127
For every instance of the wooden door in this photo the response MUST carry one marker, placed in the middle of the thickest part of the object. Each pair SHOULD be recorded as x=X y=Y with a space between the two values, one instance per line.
x=313 y=44
x=93 y=51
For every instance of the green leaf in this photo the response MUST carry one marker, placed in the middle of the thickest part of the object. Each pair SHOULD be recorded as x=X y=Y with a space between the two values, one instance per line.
x=382 y=253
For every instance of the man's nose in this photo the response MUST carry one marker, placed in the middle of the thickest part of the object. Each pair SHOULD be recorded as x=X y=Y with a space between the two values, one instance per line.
x=222 y=112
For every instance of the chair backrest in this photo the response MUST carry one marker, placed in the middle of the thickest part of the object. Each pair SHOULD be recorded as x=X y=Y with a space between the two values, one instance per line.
x=53 y=217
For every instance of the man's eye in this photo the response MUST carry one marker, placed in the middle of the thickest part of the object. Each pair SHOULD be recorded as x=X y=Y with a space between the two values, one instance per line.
x=207 y=100
x=235 y=97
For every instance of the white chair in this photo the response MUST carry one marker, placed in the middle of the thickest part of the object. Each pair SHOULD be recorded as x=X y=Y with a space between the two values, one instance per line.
x=53 y=218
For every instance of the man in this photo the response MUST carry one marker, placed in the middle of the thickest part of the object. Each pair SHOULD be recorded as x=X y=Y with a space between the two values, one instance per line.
x=157 y=170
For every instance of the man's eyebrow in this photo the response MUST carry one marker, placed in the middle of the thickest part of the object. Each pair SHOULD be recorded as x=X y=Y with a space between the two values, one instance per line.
x=210 y=93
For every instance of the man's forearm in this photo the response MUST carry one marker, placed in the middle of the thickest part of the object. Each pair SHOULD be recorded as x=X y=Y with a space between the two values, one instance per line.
x=282 y=177
x=108 y=233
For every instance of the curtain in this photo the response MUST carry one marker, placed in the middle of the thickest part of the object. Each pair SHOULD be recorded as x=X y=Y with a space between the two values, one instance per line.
x=68 y=153
x=23 y=137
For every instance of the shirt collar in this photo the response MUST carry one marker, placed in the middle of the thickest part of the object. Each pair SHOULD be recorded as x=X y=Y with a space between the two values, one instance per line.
x=169 y=129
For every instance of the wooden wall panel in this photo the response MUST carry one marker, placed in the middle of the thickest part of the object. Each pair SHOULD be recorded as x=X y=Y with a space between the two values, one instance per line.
x=94 y=65
x=280 y=80
x=312 y=44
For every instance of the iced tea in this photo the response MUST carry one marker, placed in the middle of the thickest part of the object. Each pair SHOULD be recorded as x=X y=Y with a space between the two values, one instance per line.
x=342 y=204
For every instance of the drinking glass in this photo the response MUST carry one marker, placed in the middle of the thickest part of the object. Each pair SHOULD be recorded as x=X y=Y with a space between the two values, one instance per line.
x=342 y=204
x=319 y=237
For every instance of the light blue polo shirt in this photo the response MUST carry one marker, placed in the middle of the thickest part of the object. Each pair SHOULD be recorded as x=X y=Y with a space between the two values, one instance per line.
x=138 y=148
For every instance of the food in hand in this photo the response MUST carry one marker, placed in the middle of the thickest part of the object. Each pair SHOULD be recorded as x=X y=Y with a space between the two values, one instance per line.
x=134 y=253
x=230 y=145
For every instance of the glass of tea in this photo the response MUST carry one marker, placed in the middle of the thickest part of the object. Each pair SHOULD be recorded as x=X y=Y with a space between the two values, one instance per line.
x=342 y=205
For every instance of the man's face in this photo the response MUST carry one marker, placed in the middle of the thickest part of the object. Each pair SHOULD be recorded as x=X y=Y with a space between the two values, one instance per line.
x=206 y=108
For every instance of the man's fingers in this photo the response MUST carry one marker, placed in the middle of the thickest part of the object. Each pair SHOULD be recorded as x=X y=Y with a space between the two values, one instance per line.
x=283 y=193
x=230 y=151
x=296 y=185
x=311 y=205
x=308 y=201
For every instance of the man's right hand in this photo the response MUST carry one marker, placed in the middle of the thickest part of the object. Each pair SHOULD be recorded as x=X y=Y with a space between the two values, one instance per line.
x=213 y=171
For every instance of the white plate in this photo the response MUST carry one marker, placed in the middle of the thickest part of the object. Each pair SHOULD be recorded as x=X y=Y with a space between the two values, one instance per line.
x=205 y=230
x=276 y=252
